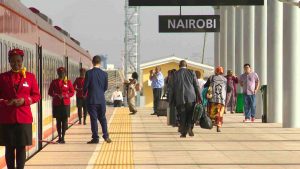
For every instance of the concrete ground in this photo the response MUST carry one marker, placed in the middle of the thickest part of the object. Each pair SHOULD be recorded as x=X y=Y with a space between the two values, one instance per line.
x=143 y=141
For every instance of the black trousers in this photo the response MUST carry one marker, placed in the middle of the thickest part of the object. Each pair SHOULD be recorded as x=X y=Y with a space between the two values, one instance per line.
x=186 y=117
x=156 y=97
x=62 y=126
x=117 y=103
x=10 y=157
x=80 y=108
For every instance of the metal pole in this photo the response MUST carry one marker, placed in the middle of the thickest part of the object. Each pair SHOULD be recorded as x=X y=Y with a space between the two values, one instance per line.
x=203 y=51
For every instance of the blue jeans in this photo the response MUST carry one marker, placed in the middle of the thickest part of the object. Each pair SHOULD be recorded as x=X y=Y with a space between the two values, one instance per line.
x=96 y=113
x=249 y=106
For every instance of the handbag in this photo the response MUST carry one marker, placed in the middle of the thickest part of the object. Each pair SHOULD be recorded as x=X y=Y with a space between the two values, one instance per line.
x=198 y=112
x=205 y=122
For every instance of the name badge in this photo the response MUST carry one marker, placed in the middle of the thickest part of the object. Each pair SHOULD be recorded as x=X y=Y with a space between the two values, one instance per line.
x=65 y=85
x=25 y=84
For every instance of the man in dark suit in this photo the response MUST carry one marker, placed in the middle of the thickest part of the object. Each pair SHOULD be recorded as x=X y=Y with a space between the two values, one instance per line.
x=95 y=85
x=185 y=94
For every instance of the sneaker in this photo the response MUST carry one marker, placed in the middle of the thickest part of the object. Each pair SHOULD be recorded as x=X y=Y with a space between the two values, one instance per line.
x=93 y=141
x=247 y=121
x=252 y=119
x=218 y=129
x=108 y=140
x=62 y=142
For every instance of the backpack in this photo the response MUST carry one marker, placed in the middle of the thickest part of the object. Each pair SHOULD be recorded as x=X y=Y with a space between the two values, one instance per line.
x=218 y=89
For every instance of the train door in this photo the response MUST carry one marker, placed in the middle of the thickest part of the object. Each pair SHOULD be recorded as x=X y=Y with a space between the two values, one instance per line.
x=39 y=61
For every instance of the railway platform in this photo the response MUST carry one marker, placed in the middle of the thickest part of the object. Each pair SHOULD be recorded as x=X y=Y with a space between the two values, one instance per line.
x=143 y=141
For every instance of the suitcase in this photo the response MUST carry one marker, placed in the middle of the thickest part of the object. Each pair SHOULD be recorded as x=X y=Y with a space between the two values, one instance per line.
x=162 y=107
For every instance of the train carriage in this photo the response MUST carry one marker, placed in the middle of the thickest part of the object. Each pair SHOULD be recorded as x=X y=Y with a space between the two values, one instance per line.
x=46 y=48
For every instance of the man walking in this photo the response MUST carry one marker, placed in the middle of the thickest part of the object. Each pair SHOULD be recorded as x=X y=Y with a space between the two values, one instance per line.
x=186 y=93
x=250 y=83
x=95 y=85
x=157 y=79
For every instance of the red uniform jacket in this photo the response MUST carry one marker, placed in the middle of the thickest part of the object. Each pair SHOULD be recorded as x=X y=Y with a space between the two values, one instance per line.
x=59 y=88
x=28 y=89
x=78 y=86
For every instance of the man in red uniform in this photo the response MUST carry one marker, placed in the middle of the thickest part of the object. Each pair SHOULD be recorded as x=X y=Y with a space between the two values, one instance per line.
x=18 y=90
x=61 y=90
x=80 y=97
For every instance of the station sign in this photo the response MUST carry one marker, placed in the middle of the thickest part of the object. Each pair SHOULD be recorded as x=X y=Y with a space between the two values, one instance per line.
x=195 y=2
x=189 y=23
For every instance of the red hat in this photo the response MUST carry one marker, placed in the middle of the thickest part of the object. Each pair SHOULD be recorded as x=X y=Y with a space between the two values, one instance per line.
x=219 y=70
x=61 y=69
x=15 y=51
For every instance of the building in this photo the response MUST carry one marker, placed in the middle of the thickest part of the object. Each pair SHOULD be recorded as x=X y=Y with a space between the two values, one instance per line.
x=165 y=64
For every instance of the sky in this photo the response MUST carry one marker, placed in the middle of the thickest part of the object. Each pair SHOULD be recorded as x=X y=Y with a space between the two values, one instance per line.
x=99 y=26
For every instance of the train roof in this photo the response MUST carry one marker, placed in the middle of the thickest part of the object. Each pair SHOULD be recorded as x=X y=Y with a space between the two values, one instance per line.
x=35 y=19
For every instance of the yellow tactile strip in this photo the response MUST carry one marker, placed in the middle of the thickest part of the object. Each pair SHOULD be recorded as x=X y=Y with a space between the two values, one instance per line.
x=119 y=153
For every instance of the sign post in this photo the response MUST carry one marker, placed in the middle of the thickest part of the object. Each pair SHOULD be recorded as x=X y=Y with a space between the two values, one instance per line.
x=189 y=23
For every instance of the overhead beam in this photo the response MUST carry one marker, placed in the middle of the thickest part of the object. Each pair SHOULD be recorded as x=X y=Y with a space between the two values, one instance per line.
x=194 y=2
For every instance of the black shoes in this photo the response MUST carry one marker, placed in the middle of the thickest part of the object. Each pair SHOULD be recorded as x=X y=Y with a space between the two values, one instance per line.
x=191 y=133
x=153 y=113
x=218 y=129
x=108 y=140
x=183 y=136
x=96 y=141
x=60 y=141
x=133 y=113
x=93 y=141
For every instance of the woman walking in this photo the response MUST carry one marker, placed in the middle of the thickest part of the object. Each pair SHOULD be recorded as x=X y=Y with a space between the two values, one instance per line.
x=217 y=96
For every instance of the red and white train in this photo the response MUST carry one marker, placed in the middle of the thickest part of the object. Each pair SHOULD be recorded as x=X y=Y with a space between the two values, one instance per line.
x=46 y=48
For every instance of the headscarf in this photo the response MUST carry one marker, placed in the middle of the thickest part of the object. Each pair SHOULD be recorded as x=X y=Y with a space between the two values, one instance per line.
x=219 y=70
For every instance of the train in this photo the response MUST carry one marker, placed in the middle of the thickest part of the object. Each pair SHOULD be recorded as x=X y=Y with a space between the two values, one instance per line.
x=46 y=48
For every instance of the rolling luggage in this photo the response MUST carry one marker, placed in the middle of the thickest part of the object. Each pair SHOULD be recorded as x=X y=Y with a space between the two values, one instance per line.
x=162 y=107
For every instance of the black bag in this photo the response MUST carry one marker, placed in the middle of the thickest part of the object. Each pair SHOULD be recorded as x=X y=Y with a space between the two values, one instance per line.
x=205 y=122
x=162 y=107
x=198 y=112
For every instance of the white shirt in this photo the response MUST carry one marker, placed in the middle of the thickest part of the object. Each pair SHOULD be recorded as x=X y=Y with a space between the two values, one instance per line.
x=201 y=83
x=117 y=95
